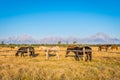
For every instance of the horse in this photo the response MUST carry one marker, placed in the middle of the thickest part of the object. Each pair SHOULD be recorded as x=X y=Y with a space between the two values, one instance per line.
x=80 y=52
x=48 y=50
x=112 y=47
x=105 y=47
x=29 y=50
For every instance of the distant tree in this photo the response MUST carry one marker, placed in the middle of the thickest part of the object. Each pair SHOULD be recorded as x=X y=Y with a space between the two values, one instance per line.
x=2 y=43
x=74 y=42
x=59 y=42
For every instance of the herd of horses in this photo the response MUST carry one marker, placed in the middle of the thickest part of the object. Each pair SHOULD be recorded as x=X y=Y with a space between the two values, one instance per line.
x=80 y=53
x=107 y=47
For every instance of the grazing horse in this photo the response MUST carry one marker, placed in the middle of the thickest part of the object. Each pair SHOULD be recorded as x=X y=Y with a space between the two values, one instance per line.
x=29 y=50
x=80 y=52
x=105 y=47
x=49 y=50
x=114 y=47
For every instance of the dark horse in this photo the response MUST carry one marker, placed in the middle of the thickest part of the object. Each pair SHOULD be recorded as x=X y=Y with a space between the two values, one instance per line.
x=80 y=52
x=105 y=47
x=29 y=50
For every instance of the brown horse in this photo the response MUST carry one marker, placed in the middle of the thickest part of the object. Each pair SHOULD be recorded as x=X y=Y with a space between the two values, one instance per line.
x=103 y=47
x=22 y=50
x=114 y=47
x=80 y=52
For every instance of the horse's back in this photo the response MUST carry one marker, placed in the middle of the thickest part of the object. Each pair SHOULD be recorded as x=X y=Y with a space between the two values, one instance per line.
x=55 y=48
x=88 y=49
x=22 y=49
x=31 y=48
x=103 y=46
x=114 y=47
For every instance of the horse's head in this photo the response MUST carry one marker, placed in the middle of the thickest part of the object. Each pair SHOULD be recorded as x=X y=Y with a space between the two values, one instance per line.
x=67 y=52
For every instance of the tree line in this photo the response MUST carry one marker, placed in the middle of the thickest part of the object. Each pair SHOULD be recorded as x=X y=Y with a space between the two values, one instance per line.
x=59 y=43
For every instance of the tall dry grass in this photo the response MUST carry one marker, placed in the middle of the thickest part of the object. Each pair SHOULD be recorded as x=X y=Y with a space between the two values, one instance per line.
x=104 y=66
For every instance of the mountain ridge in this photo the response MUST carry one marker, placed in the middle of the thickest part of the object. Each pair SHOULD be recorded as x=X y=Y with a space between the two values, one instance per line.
x=99 y=38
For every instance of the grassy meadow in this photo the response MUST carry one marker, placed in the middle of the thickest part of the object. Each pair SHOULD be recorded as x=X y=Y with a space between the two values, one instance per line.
x=104 y=66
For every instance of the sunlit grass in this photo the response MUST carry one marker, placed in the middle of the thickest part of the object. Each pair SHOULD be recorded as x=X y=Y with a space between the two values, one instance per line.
x=104 y=66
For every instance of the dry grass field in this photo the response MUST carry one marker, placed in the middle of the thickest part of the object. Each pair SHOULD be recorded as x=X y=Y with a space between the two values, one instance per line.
x=104 y=66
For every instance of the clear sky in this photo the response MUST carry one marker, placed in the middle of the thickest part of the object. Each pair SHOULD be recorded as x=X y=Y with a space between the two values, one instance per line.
x=64 y=18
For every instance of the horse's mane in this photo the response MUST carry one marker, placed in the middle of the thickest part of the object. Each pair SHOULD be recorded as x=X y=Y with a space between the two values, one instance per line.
x=72 y=46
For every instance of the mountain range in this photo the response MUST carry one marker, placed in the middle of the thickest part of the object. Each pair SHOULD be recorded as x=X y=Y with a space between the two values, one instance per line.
x=99 y=38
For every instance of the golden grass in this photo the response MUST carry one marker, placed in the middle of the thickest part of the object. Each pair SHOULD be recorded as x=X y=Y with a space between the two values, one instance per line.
x=104 y=66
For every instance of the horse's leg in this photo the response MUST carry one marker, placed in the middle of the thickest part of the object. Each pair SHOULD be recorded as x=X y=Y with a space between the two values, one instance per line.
x=57 y=55
x=86 y=58
x=90 y=56
x=116 y=48
x=22 y=54
x=28 y=52
x=67 y=53
x=98 y=49
x=81 y=56
x=106 y=49
x=84 y=54
x=32 y=53
x=76 y=57
x=47 y=54
x=17 y=54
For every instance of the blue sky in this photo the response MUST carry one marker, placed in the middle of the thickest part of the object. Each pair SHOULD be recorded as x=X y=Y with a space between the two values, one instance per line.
x=64 y=18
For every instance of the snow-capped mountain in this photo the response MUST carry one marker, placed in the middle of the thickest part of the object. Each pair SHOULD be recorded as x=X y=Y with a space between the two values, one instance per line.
x=23 y=39
x=99 y=38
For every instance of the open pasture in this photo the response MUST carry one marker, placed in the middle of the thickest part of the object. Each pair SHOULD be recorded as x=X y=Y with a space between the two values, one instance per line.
x=104 y=66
